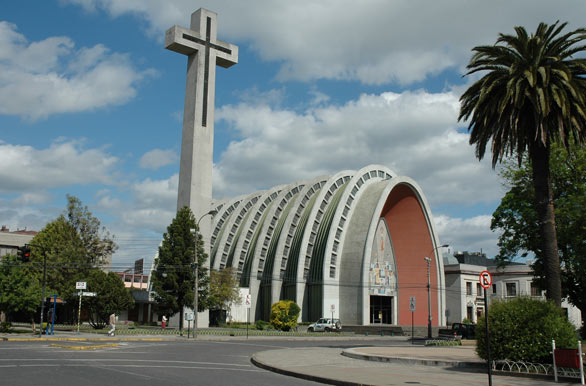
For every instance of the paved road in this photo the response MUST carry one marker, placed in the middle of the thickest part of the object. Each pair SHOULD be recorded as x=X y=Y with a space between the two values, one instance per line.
x=227 y=361
x=169 y=363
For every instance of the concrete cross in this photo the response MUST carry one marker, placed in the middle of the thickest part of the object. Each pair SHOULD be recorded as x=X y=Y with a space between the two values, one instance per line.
x=204 y=52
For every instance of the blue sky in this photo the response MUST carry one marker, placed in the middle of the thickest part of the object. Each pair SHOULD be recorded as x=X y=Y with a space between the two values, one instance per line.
x=91 y=104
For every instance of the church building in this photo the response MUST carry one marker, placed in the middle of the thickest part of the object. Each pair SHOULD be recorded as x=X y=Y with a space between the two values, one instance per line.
x=353 y=245
x=359 y=245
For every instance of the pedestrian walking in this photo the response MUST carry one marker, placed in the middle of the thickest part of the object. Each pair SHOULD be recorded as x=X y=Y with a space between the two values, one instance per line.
x=112 y=324
x=164 y=322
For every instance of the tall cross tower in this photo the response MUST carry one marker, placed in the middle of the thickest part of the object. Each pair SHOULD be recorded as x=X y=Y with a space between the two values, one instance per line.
x=204 y=51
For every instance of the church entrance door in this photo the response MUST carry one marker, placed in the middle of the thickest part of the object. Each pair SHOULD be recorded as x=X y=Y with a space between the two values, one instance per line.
x=381 y=309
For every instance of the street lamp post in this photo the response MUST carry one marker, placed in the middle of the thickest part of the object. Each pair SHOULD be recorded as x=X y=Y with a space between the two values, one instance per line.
x=428 y=260
x=196 y=284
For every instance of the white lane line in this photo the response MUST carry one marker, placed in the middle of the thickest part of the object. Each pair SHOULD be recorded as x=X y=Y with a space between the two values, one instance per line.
x=97 y=360
x=247 y=344
x=172 y=367
x=41 y=365
x=124 y=372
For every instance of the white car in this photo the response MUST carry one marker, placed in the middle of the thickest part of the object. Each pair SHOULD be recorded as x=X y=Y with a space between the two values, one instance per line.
x=325 y=324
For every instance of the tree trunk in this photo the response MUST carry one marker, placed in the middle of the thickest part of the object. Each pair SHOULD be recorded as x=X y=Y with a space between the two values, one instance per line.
x=546 y=217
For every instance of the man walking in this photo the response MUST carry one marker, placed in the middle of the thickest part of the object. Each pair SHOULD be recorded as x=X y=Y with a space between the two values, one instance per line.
x=112 y=324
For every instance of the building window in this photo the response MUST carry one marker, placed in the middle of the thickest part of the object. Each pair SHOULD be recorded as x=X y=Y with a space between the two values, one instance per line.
x=511 y=289
x=535 y=291
x=470 y=313
x=494 y=289
x=478 y=289
x=468 y=288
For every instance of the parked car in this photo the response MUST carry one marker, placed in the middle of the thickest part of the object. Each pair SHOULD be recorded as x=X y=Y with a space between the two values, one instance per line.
x=462 y=330
x=325 y=324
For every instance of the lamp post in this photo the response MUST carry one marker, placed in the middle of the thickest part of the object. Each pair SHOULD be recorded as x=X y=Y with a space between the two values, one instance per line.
x=428 y=260
x=212 y=213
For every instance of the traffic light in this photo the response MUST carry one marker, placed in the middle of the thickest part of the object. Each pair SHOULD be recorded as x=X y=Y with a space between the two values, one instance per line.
x=24 y=253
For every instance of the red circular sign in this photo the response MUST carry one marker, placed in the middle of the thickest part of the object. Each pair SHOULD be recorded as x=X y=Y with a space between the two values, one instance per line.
x=485 y=279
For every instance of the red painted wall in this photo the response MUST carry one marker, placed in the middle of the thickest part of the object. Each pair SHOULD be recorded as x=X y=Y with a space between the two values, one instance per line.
x=412 y=242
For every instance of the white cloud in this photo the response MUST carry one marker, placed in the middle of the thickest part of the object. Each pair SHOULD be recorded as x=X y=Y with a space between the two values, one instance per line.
x=48 y=77
x=25 y=168
x=39 y=197
x=377 y=42
x=157 y=158
x=467 y=234
x=414 y=133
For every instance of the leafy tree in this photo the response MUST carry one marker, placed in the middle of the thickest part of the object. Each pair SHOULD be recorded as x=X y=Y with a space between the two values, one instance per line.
x=516 y=218
x=60 y=243
x=173 y=279
x=112 y=297
x=73 y=245
x=223 y=289
x=284 y=315
x=97 y=241
x=532 y=95
x=522 y=329
x=19 y=291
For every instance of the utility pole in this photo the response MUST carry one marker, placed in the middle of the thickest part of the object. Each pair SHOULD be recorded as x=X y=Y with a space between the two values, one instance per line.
x=196 y=269
x=428 y=260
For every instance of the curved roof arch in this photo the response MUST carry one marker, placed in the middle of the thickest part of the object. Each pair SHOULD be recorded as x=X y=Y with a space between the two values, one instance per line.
x=230 y=233
x=424 y=205
x=250 y=230
x=289 y=244
x=345 y=210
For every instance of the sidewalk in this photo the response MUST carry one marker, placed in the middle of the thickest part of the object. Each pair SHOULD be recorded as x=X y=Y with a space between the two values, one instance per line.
x=440 y=366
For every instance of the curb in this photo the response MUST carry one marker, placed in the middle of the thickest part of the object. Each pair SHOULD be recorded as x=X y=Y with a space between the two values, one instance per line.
x=307 y=377
x=352 y=353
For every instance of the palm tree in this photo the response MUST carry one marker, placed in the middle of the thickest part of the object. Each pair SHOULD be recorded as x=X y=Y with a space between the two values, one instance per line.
x=532 y=93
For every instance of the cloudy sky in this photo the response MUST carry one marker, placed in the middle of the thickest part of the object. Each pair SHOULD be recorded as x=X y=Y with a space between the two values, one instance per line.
x=91 y=104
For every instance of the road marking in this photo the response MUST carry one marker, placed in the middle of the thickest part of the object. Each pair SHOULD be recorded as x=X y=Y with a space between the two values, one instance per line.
x=98 y=360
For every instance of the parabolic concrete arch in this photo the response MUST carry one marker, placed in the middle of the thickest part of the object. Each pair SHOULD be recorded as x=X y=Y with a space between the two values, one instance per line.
x=352 y=244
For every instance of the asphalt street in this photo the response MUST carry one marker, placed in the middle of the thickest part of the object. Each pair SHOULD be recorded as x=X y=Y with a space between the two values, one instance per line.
x=166 y=363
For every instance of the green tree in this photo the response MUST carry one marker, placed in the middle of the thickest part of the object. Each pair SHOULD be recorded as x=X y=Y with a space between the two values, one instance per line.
x=19 y=291
x=284 y=315
x=223 y=289
x=522 y=329
x=64 y=251
x=533 y=93
x=173 y=279
x=97 y=241
x=112 y=297
x=516 y=219
x=73 y=245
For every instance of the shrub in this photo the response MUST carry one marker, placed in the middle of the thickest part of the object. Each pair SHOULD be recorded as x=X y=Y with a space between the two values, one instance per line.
x=522 y=329
x=5 y=327
x=284 y=315
x=261 y=325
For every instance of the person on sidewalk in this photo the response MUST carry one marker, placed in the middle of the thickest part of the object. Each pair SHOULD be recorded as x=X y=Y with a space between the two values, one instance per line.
x=112 y=324
x=164 y=322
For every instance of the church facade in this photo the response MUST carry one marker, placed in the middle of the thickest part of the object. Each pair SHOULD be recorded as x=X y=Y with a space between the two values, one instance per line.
x=352 y=245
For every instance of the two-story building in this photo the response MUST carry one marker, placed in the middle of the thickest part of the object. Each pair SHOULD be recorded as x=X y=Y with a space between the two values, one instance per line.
x=465 y=296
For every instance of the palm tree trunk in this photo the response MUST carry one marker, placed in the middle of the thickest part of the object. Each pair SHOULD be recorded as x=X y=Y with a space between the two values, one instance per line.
x=546 y=217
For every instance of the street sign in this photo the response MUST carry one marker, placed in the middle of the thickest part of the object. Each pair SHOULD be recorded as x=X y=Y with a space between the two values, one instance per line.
x=485 y=279
x=248 y=301
x=81 y=285
x=88 y=294
x=189 y=316
x=412 y=303
x=332 y=307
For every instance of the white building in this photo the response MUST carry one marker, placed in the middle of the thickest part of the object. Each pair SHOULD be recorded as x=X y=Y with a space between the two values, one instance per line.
x=464 y=295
